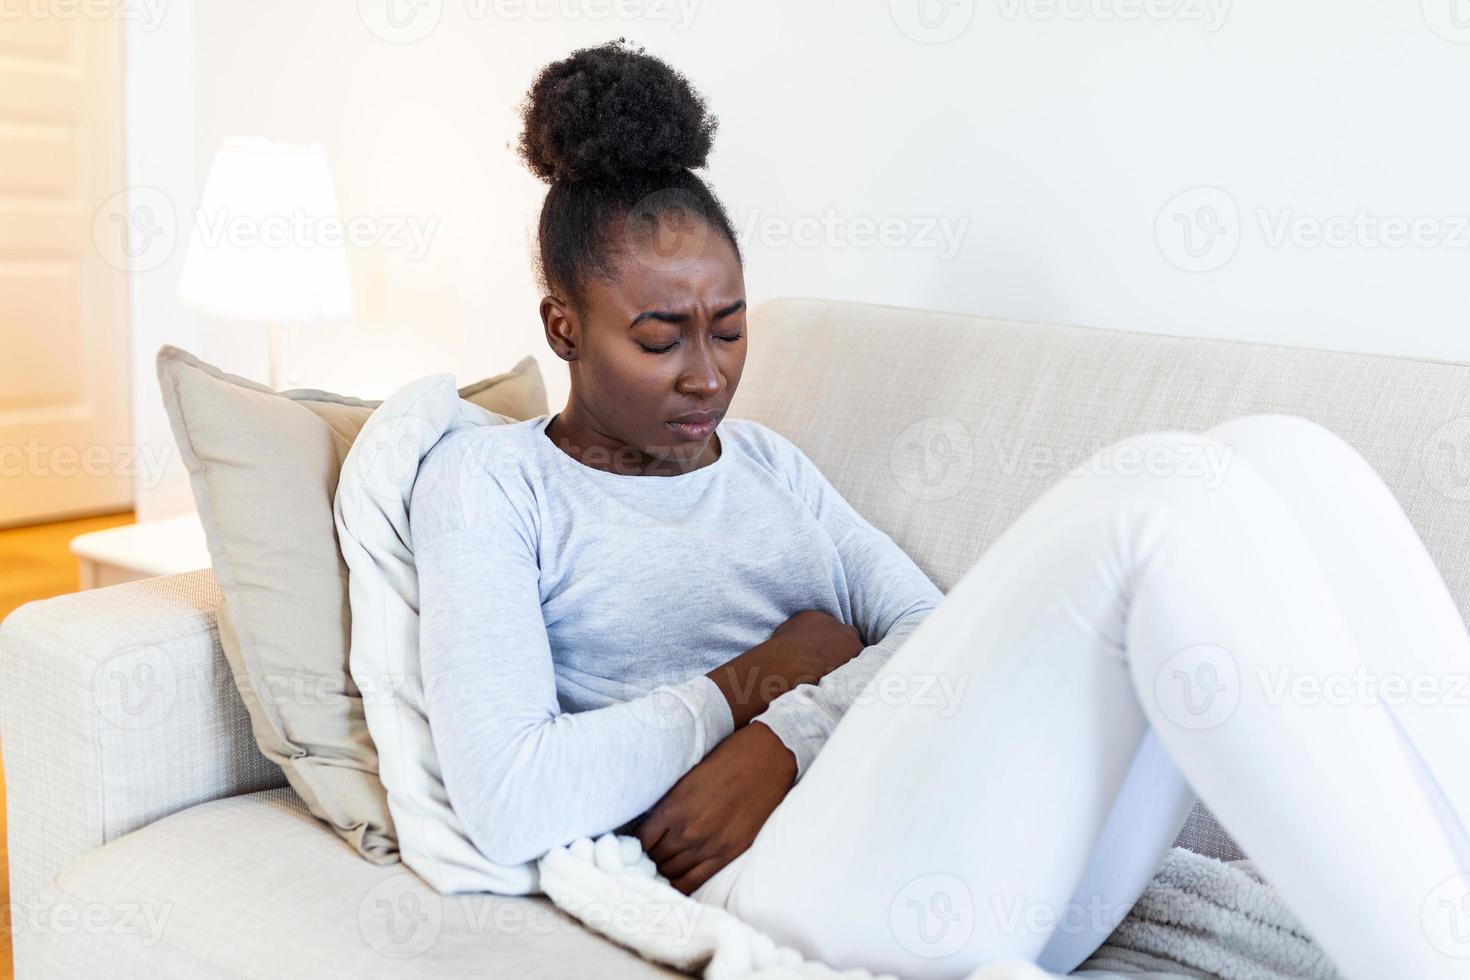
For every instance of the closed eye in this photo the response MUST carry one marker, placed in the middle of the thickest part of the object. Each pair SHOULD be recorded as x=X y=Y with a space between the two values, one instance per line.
x=664 y=350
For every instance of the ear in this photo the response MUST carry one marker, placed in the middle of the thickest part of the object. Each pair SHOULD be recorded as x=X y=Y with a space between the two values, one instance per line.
x=563 y=327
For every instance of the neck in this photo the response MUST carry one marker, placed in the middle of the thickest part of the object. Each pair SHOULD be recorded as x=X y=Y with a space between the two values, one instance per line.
x=591 y=446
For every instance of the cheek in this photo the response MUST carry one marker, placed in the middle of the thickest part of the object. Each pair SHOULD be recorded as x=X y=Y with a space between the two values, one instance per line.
x=735 y=364
x=626 y=370
x=631 y=386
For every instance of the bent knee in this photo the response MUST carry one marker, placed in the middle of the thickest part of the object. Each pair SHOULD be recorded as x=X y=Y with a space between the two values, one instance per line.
x=1287 y=438
x=1188 y=476
x=1163 y=458
x=1276 y=427
x=1296 y=452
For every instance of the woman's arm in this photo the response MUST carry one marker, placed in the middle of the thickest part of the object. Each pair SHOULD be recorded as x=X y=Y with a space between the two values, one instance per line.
x=714 y=812
x=888 y=597
x=802 y=650
x=522 y=775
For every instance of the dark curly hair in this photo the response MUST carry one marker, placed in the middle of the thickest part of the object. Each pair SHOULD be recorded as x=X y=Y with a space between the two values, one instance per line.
x=616 y=133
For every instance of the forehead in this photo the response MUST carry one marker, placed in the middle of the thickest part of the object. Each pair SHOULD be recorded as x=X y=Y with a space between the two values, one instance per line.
x=672 y=269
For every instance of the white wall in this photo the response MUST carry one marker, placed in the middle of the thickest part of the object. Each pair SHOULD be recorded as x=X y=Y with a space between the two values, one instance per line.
x=1060 y=140
x=158 y=102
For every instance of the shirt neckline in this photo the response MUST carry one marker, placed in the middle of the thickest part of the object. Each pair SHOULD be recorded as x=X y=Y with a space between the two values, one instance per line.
x=700 y=475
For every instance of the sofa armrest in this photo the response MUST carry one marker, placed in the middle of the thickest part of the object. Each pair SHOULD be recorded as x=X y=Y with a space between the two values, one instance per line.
x=117 y=707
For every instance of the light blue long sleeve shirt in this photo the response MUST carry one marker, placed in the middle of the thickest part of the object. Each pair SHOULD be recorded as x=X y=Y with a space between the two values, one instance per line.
x=568 y=616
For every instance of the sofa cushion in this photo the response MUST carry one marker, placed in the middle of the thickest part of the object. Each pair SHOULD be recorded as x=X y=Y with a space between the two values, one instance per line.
x=253 y=886
x=264 y=467
x=941 y=428
x=374 y=528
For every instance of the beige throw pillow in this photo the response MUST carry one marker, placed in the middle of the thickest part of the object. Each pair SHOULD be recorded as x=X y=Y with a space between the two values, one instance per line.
x=264 y=467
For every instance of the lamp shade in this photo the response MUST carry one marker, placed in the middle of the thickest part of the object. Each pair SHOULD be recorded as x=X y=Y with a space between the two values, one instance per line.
x=267 y=242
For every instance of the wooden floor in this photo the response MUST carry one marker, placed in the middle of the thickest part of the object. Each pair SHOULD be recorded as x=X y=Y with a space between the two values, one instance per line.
x=34 y=564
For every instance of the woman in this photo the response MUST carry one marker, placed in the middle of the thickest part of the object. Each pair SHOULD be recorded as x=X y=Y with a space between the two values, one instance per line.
x=640 y=614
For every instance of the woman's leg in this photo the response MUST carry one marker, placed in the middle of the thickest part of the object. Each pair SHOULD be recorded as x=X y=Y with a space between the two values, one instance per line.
x=1412 y=664
x=931 y=836
x=1413 y=642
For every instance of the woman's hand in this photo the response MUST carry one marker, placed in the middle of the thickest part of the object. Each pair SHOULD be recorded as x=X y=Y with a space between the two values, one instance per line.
x=802 y=650
x=713 y=813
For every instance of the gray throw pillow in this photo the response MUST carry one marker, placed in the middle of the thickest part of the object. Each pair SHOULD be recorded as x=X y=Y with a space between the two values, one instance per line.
x=264 y=468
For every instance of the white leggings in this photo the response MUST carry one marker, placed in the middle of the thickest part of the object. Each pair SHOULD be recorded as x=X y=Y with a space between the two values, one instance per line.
x=1007 y=784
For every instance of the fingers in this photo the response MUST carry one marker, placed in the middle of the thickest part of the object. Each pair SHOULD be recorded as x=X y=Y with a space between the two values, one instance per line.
x=652 y=830
x=663 y=842
x=681 y=863
x=698 y=875
x=665 y=848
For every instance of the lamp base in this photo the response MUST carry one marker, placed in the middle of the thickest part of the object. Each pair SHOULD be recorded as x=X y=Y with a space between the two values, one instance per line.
x=277 y=341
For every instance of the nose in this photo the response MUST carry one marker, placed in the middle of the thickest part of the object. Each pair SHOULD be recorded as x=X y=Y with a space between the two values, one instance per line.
x=701 y=375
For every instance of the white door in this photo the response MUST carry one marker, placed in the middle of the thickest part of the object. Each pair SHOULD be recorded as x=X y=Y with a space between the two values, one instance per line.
x=64 y=362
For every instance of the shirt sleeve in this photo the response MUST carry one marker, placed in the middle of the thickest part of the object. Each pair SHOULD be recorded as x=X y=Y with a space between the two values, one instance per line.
x=520 y=774
x=888 y=595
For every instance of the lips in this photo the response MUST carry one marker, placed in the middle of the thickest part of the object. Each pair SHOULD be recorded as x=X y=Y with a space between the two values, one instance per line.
x=694 y=425
x=695 y=418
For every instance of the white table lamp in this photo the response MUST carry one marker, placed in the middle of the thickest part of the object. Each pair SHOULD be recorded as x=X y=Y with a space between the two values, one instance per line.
x=267 y=243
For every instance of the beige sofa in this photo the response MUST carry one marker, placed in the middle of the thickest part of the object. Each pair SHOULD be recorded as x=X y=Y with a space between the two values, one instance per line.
x=149 y=838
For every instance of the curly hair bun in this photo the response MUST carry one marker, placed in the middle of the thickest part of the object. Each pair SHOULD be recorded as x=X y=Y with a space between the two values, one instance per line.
x=613 y=112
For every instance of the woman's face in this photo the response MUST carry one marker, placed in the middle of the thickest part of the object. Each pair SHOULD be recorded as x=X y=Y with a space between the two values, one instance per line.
x=664 y=340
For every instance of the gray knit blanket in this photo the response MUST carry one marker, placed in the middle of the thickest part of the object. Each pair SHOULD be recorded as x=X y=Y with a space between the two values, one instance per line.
x=1203 y=918
x=1199 y=918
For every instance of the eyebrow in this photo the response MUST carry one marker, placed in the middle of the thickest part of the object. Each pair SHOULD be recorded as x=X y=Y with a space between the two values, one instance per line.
x=664 y=316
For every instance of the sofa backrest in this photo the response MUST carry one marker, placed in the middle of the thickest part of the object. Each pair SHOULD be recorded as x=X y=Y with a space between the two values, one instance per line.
x=940 y=429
